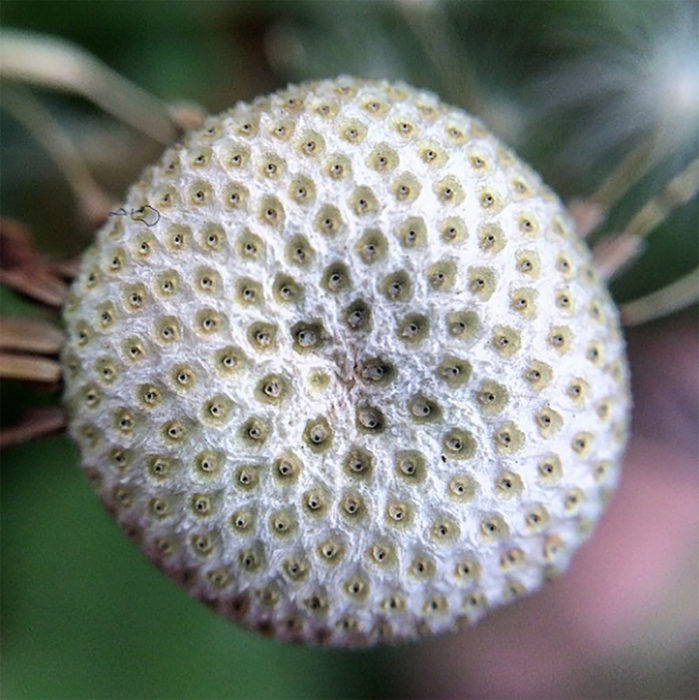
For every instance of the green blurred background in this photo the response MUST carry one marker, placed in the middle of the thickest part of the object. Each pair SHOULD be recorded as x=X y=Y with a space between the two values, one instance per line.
x=83 y=614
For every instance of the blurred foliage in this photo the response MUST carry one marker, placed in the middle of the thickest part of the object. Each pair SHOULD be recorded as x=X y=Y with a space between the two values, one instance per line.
x=83 y=614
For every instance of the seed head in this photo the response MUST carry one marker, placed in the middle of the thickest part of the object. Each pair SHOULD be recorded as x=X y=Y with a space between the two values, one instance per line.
x=343 y=368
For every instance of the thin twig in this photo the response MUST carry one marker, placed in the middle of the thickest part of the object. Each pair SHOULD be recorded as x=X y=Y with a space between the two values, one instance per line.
x=44 y=60
x=67 y=269
x=37 y=284
x=678 y=192
x=591 y=212
x=38 y=422
x=629 y=171
x=29 y=367
x=674 y=297
x=23 y=269
x=21 y=334
x=613 y=253
x=675 y=194
x=94 y=202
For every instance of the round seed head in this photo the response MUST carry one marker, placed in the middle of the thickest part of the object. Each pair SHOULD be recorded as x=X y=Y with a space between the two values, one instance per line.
x=346 y=371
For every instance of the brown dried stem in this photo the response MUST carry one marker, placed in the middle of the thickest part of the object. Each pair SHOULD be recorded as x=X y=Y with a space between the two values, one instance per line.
x=674 y=297
x=677 y=192
x=93 y=201
x=29 y=367
x=628 y=245
x=23 y=269
x=54 y=63
x=20 y=334
x=38 y=422
x=629 y=171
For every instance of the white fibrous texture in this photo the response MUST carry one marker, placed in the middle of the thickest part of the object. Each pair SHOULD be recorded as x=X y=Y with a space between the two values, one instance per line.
x=343 y=368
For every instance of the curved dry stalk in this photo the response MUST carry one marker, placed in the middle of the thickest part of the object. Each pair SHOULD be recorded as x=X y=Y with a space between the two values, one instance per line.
x=629 y=171
x=37 y=284
x=20 y=334
x=24 y=270
x=615 y=253
x=37 y=422
x=94 y=202
x=29 y=367
x=674 y=297
x=592 y=211
x=678 y=191
x=54 y=63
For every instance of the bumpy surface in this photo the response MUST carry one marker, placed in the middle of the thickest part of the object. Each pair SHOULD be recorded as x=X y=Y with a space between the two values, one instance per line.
x=343 y=369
